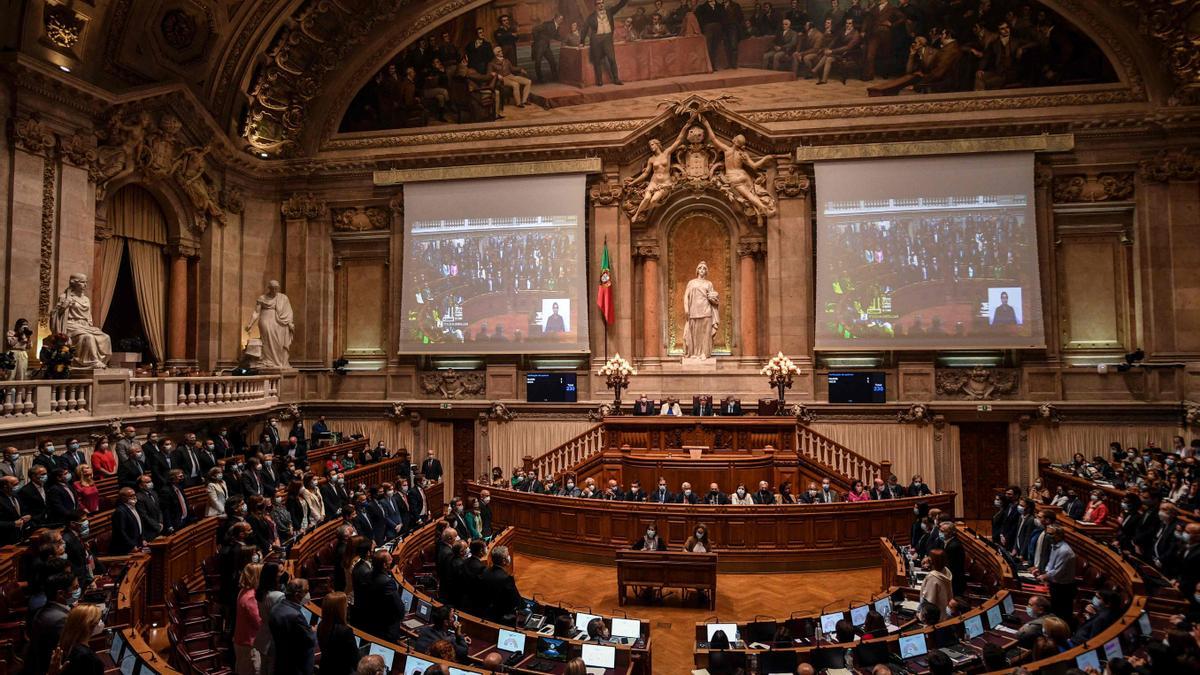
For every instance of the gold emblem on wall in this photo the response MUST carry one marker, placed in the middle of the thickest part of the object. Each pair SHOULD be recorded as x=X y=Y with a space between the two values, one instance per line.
x=693 y=237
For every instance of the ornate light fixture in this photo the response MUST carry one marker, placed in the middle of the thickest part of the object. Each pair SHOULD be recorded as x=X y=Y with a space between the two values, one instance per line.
x=779 y=371
x=617 y=372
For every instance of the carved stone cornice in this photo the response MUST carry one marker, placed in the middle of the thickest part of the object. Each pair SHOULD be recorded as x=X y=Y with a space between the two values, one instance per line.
x=361 y=219
x=303 y=206
x=1043 y=176
x=917 y=413
x=646 y=251
x=452 y=384
x=29 y=133
x=79 y=150
x=751 y=248
x=1181 y=164
x=1093 y=187
x=976 y=384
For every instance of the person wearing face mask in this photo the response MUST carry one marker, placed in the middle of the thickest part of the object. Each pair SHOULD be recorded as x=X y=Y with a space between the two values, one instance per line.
x=764 y=495
x=131 y=468
x=686 y=496
x=46 y=627
x=103 y=461
x=635 y=493
x=33 y=495
x=827 y=495
x=809 y=496
x=60 y=499
x=126 y=443
x=920 y=512
x=956 y=557
x=216 y=492
x=1097 y=511
x=661 y=495
x=1059 y=575
x=1164 y=545
x=73 y=456
x=650 y=541
x=332 y=495
x=149 y=508
x=158 y=457
x=458 y=518
x=418 y=509
x=292 y=633
x=1102 y=612
x=918 y=488
x=1074 y=507
x=74 y=653
x=127 y=532
x=173 y=502
x=715 y=497
x=785 y=493
x=1026 y=510
x=1189 y=559
x=569 y=488
x=79 y=550
x=698 y=542
x=46 y=458
x=927 y=537
x=740 y=497
x=1038 y=493
x=12 y=518
x=1037 y=610
x=10 y=465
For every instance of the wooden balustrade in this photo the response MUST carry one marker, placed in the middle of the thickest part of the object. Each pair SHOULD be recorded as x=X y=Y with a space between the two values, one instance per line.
x=178 y=556
x=562 y=458
x=838 y=459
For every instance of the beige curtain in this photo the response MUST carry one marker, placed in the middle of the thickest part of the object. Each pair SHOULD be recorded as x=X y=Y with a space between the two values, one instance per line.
x=111 y=250
x=134 y=214
x=150 y=282
x=1059 y=442
x=439 y=437
x=394 y=435
x=908 y=447
x=509 y=442
x=954 y=466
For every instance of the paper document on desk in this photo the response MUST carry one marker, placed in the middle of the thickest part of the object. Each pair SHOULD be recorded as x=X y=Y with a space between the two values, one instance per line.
x=1006 y=629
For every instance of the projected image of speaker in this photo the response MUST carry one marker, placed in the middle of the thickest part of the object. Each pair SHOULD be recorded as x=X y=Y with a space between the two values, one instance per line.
x=858 y=387
x=550 y=388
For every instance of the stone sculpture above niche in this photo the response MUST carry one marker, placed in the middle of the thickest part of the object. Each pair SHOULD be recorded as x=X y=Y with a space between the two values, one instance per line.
x=361 y=219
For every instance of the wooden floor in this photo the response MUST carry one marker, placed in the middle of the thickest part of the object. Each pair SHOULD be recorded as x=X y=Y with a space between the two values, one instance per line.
x=740 y=597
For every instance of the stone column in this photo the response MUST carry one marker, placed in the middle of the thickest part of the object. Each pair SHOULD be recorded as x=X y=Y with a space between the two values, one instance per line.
x=1048 y=269
x=27 y=285
x=305 y=274
x=607 y=227
x=651 y=319
x=749 y=251
x=177 y=308
x=789 y=315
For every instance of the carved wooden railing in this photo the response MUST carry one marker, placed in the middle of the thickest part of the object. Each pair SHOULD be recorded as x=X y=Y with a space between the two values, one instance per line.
x=39 y=398
x=567 y=455
x=837 y=459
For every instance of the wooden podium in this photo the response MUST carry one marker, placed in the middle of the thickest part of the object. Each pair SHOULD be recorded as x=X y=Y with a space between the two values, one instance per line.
x=667 y=569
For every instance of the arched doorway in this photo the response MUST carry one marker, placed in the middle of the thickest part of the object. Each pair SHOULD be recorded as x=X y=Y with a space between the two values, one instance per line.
x=132 y=284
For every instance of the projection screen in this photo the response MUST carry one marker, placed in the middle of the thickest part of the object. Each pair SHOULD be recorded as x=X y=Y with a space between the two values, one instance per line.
x=927 y=253
x=494 y=265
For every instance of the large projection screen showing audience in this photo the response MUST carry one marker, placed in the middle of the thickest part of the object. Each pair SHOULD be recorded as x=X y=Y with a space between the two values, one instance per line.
x=927 y=253
x=494 y=265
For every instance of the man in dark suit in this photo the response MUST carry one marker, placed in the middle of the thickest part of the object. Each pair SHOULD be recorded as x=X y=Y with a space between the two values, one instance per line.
x=661 y=495
x=431 y=468
x=458 y=520
x=635 y=493
x=269 y=476
x=364 y=522
x=47 y=624
x=385 y=605
x=186 y=458
x=1189 y=562
x=474 y=600
x=686 y=495
x=444 y=552
x=126 y=524
x=763 y=494
x=485 y=513
x=731 y=406
x=12 y=517
x=129 y=471
x=173 y=502
x=221 y=445
x=33 y=495
x=644 y=406
x=395 y=510
x=207 y=454
x=711 y=17
x=715 y=496
x=73 y=457
x=60 y=500
x=252 y=483
x=499 y=588
x=956 y=558
x=479 y=53
x=416 y=504
x=543 y=34
x=827 y=495
x=599 y=27
x=702 y=406
x=79 y=551
x=292 y=633
x=46 y=458
x=148 y=508
x=159 y=459
x=333 y=496
x=272 y=432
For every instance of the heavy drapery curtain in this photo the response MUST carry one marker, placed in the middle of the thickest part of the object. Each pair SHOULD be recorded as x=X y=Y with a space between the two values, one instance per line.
x=394 y=435
x=111 y=250
x=1058 y=443
x=509 y=442
x=137 y=220
x=150 y=282
x=439 y=437
x=909 y=447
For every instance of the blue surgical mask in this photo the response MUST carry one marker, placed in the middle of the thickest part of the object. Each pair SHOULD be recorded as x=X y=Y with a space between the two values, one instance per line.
x=76 y=595
x=42 y=478
x=1096 y=601
x=85 y=529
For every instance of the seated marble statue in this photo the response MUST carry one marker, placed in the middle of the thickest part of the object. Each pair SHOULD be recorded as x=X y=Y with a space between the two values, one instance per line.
x=72 y=316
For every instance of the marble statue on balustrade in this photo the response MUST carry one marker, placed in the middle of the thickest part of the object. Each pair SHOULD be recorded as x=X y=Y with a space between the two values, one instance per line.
x=72 y=316
x=701 y=316
x=276 y=327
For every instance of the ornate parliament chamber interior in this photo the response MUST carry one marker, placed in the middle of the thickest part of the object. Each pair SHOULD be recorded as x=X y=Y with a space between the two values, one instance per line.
x=600 y=337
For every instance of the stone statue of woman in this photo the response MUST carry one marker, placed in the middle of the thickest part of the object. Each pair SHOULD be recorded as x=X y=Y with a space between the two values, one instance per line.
x=72 y=316
x=273 y=313
x=700 y=302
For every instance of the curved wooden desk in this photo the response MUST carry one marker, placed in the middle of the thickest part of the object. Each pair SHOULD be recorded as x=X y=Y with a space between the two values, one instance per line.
x=746 y=538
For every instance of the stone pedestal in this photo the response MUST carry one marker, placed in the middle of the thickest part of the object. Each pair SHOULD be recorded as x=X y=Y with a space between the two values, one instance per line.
x=708 y=365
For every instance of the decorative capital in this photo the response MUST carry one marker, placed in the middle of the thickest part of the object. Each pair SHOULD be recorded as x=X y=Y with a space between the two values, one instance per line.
x=917 y=413
x=396 y=206
x=232 y=199
x=361 y=219
x=1170 y=165
x=1091 y=188
x=792 y=184
x=751 y=248
x=1191 y=414
x=303 y=206
x=398 y=412
x=79 y=149
x=31 y=134
x=605 y=192
x=646 y=251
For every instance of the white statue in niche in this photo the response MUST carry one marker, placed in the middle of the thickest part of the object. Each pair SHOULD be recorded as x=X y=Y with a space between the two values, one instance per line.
x=273 y=313
x=700 y=302
x=72 y=316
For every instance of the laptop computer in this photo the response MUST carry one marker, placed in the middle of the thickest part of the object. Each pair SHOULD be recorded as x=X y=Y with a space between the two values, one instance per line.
x=626 y=631
x=884 y=606
x=598 y=658
x=388 y=655
x=913 y=646
x=829 y=622
x=1112 y=649
x=510 y=642
x=1088 y=659
x=730 y=630
x=415 y=665
x=858 y=615
x=551 y=653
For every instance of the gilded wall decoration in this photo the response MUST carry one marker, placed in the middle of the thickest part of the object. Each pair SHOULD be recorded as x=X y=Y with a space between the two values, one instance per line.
x=1092 y=187
x=61 y=26
x=303 y=205
x=453 y=384
x=1174 y=25
x=1181 y=164
x=976 y=384
x=360 y=219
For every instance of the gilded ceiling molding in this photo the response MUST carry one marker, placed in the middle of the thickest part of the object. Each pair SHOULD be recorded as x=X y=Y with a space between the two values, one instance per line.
x=1181 y=164
x=1093 y=187
x=304 y=206
x=1173 y=25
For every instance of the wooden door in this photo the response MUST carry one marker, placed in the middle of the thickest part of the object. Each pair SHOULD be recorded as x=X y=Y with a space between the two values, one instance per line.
x=983 y=449
x=464 y=454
